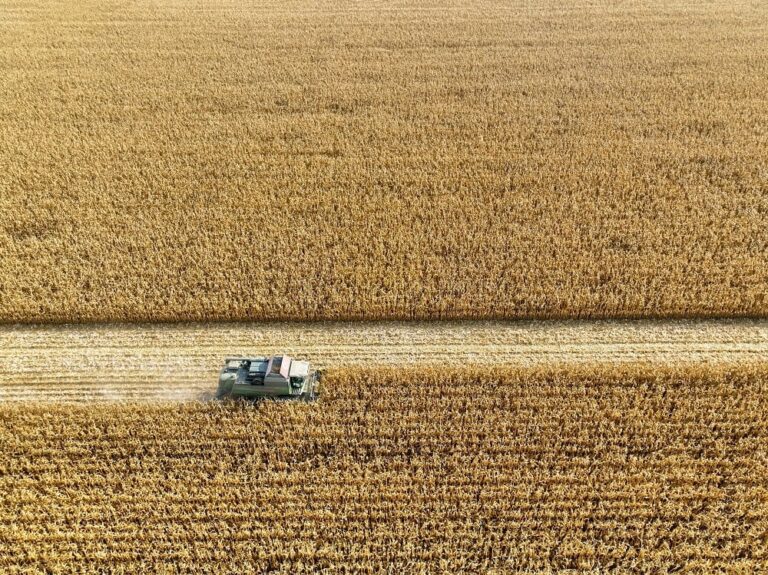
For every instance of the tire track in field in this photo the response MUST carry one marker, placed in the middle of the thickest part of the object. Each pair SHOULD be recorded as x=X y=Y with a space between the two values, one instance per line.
x=181 y=361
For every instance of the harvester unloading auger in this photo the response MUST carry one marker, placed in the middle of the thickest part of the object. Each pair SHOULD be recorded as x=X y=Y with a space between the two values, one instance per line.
x=275 y=377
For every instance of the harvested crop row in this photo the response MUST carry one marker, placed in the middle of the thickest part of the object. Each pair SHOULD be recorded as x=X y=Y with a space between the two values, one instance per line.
x=161 y=160
x=634 y=468
x=181 y=361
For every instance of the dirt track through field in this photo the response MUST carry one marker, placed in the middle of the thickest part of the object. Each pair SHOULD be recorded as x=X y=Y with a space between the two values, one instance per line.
x=181 y=362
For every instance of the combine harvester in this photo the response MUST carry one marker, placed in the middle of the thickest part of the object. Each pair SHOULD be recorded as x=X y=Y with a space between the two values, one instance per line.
x=278 y=377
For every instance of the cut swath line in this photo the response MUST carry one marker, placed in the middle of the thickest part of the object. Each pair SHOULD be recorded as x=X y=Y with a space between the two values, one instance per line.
x=177 y=362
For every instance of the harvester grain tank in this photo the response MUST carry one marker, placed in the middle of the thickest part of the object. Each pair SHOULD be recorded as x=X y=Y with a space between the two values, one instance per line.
x=273 y=377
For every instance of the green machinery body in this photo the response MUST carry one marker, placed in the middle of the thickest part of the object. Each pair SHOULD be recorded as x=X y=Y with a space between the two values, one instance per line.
x=275 y=377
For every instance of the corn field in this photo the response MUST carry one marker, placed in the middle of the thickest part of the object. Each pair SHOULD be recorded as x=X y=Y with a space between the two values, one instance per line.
x=167 y=160
x=588 y=469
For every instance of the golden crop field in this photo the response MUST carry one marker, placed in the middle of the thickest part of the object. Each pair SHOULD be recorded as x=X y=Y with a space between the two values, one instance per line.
x=166 y=159
x=590 y=469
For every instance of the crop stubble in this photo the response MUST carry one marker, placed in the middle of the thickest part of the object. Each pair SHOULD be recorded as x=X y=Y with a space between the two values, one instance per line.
x=181 y=361
x=169 y=161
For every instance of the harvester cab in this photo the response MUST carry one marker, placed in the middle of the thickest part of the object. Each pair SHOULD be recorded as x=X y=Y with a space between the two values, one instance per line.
x=275 y=377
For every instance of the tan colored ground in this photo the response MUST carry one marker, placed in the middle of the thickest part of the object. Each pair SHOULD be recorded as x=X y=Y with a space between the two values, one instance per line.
x=181 y=362
x=165 y=159
x=592 y=469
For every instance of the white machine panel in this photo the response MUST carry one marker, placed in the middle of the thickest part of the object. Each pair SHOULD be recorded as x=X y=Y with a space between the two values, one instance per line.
x=299 y=368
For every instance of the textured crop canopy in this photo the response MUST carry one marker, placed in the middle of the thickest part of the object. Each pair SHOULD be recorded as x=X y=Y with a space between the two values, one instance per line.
x=238 y=160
